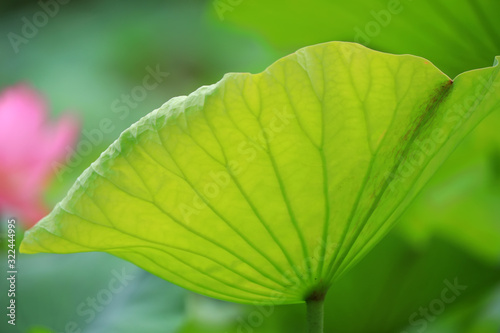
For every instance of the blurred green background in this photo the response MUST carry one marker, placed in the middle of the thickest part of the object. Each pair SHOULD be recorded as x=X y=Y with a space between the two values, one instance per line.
x=87 y=56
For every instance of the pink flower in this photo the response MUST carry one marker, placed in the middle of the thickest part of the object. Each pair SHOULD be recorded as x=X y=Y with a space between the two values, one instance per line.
x=29 y=145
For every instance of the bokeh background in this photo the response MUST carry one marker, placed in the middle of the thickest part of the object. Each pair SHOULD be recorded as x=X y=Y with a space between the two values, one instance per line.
x=89 y=60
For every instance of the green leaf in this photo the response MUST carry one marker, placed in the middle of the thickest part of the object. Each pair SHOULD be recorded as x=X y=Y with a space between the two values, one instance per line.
x=267 y=187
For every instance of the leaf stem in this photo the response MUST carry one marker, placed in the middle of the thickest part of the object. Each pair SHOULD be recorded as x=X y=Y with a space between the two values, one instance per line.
x=315 y=315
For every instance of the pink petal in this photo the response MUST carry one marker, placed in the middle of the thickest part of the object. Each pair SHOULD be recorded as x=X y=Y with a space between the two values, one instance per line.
x=55 y=144
x=29 y=146
x=22 y=114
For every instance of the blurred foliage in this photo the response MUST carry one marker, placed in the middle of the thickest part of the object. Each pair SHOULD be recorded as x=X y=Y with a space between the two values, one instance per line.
x=92 y=292
x=455 y=35
x=92 y=52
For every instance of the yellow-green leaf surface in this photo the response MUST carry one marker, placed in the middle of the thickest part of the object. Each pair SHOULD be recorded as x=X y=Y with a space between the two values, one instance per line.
x=266 y=187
